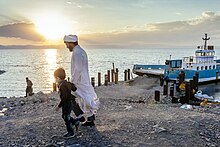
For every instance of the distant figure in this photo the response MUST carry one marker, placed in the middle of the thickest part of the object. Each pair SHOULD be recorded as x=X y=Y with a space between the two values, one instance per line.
x=67 y=102
x=29 y=89
x=88 y=100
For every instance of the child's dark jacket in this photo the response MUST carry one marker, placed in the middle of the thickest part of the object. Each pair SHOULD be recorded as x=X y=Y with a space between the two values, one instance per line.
x=66 y=96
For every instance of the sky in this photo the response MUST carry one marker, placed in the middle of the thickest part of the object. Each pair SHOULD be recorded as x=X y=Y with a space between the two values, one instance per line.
x=110 y=23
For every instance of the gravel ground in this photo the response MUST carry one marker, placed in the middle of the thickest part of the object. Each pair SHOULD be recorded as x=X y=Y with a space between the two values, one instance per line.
x=128 y=116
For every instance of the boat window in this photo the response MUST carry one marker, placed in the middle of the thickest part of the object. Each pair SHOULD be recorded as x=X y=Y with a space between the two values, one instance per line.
x=201 y=67
x=206 y=67
x=213 y=66
x=210 y=67
x=197 y=67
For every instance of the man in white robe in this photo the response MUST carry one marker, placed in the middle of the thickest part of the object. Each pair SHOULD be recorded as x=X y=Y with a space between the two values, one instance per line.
x=88 y=100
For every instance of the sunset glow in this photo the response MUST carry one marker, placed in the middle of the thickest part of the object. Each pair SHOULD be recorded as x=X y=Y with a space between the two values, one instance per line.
x=51 y=57
x=109 y=24
x=52 y=27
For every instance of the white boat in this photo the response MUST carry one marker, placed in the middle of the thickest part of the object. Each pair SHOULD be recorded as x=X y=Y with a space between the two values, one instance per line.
x=203 y=63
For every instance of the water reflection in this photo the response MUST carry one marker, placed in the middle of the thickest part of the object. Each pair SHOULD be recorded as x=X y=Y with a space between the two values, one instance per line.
x=51 y=58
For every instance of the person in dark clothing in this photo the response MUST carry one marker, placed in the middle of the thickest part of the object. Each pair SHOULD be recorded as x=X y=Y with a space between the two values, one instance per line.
x=67 y=102
x=29 y=89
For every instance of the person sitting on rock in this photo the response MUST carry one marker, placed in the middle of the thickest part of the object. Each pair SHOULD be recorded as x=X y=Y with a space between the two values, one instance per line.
x=29 y=89
x=68 y=103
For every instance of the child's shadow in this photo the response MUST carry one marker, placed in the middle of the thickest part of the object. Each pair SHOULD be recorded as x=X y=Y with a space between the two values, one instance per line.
x=85 y=136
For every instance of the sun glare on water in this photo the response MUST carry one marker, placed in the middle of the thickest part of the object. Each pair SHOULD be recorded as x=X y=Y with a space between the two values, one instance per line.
x=52 y=27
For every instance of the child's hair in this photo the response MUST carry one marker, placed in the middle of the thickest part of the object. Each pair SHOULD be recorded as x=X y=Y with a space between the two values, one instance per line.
x=60 y=72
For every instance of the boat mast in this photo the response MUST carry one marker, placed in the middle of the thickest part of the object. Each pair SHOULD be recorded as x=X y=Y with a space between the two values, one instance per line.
x=205 y=41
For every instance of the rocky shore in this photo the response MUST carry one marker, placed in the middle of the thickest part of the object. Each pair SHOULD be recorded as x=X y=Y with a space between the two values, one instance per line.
x=128 y=116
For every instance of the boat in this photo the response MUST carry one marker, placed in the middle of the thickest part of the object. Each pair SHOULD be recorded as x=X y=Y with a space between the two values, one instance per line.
x=202 y=63
x=149 y=70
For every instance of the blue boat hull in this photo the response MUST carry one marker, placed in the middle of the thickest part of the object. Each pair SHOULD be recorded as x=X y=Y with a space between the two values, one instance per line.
x=204 y=75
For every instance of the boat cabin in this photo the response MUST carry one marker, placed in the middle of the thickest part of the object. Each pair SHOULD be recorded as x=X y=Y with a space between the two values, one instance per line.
x=203 y=59
x=174 y=63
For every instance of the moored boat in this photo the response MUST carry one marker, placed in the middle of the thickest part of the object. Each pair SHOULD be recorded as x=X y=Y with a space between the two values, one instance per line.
x=203 y=63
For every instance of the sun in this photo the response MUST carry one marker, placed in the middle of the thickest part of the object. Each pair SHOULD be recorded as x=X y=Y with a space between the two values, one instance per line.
x=51 y=26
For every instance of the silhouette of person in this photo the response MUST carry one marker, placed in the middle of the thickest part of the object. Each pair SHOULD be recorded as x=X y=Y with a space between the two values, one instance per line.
x=29 y=89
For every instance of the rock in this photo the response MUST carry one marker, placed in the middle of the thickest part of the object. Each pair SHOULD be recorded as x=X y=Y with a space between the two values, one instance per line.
x=127 y=107
x=157 y=129
x=22 y=103
x=39 y=97
x=52 y=145
x=60 y=143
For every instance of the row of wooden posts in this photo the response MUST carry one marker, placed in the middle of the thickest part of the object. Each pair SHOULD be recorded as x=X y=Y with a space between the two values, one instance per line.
x=109 y=77
x=190 y=88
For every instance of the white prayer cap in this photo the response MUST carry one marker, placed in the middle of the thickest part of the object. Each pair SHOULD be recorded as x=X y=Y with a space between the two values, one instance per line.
x=70 y=38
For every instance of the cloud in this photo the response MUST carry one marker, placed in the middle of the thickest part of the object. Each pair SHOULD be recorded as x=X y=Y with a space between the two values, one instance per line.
x=8 y=18
x=158 y=35
x=68 y=2
x=170 y=34
x=21 y=30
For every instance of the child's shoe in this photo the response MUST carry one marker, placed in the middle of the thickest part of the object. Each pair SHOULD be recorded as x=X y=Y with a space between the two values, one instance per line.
x=69 y=135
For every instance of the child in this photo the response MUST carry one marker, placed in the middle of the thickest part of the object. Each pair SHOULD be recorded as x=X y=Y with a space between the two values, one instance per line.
x=67 y=102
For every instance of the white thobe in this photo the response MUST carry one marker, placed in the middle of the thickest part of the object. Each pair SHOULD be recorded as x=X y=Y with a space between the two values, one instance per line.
x=80 y=77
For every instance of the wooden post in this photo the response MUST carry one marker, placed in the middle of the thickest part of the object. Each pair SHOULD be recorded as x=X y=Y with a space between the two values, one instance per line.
x=54 y=87
x=157 y=95
x=129 y=73
x=93 y=81
x=187 y=93
x=216 y=75
x=172 y=90
x=192 y=87
x=181 y=77
x=108 y=75
x=116 y=76
x=126 y=75
x=106 y=80
x=165 y=89
x=195 y=83
x=113 y=67
x=99 y=79
x=113 y=75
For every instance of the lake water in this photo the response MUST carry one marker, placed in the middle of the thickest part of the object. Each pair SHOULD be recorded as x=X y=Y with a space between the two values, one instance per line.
x=39 y=65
